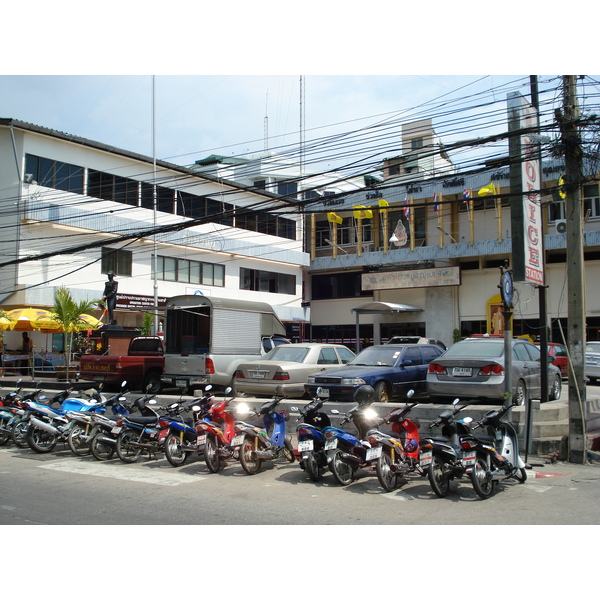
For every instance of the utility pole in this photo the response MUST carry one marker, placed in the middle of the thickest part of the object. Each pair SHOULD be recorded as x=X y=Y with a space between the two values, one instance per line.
x=576 y=340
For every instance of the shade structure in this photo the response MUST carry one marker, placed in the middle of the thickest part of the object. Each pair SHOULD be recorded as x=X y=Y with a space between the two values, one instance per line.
x=87 y=322
x=5 y=324
x=29 y=319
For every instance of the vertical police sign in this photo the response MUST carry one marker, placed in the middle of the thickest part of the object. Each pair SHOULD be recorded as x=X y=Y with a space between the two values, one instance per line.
x=525 y=186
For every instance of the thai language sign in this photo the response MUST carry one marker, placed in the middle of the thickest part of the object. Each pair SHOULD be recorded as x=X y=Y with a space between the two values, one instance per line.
x=411 y=279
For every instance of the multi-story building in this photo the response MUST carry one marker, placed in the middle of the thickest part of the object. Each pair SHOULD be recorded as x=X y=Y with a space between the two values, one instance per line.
x=74 y=209
x=428 y=247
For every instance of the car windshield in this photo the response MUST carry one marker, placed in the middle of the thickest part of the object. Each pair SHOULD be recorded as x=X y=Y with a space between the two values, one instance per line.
x=287 y=352
x=378 y=356
x=475 y=349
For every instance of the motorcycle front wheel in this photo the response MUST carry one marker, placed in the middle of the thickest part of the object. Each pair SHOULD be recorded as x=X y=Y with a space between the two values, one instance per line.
x=211 y=454
x=342 y=471
x=41 y=441
x=175 y=455
x=249 y=462
x=4 y=438
x=101 y=450
x=438 y=478
x=78 y=444
x=128 y=446
x=521 y=475
x=19 y=434
x=387 y=478
x=482 y=484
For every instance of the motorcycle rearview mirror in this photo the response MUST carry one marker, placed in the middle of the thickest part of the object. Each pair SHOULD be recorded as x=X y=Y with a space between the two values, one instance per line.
x=208 y=388
x=294 y=408
x=455 y=401
x=335 y=411
x=152 y=401
x=467 y=420
x=227 y=390
x=195 y=408
x=410 y=393
x=173 y=406
x=123 y=384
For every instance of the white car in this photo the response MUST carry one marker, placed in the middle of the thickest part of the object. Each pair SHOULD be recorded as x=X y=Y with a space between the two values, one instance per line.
x=288 y=367
x=592 y=361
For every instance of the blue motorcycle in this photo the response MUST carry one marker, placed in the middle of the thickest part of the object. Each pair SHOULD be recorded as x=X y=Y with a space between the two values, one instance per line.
x=311 y=440
x=263 y=443
x=346 y=453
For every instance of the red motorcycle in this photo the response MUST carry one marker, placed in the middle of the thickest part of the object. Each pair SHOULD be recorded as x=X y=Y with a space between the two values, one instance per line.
x=402 y=452
x=216 y=434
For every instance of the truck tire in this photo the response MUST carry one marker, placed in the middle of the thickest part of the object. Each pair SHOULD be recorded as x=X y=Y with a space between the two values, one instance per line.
x=153 y=381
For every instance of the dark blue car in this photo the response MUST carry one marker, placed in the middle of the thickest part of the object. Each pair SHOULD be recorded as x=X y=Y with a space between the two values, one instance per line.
x=392 y=370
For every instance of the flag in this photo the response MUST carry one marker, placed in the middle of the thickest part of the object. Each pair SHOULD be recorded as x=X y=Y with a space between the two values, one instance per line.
x=436 y=206
x=406 y=209
x=488 y=190
x=362 y=212
x=466 y=196
x=333 y=218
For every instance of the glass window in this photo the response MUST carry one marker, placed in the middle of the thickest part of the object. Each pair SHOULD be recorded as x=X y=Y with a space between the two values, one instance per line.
x=118 y=261
x=414 y=355
x=327 y=356
x=345 y=354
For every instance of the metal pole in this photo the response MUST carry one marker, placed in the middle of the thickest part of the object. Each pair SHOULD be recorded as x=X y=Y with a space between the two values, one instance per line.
x=154 y=205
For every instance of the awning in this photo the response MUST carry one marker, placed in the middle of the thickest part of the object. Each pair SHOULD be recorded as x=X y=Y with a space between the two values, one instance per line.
x=379 y=308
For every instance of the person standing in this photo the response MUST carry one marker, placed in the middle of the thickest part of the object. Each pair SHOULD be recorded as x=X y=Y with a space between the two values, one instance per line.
x=26 y=349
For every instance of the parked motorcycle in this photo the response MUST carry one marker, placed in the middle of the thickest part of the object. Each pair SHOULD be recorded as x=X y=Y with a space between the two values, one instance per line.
x=49 y=425
x=181 y=436
x=346 y=453
x=498 y=453
x=20 y=422
x=311 y=440
x=9 y=410
x=454 y=454
x=269 y=442
x=216 y=433
x=402 y=451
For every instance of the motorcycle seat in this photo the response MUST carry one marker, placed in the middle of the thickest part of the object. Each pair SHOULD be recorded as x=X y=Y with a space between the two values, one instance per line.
x=142 y=420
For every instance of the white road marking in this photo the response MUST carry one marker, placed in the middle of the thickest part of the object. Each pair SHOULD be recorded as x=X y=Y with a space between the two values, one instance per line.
x=116 y=471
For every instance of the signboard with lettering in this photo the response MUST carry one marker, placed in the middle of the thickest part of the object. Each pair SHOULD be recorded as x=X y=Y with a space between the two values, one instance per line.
x=417 y=278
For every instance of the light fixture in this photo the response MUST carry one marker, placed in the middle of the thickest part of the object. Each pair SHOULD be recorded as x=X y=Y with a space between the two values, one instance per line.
x=446 y=233
x=394 y=238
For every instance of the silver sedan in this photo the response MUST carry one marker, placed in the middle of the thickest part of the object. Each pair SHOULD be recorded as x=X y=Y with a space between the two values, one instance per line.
x=592 y=361
x=475 y=368
x=287 y=367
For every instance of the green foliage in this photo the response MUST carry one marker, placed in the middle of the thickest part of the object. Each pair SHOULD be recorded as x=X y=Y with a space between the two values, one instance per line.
x=67 y=312
x=456 y=336
x=147 y=323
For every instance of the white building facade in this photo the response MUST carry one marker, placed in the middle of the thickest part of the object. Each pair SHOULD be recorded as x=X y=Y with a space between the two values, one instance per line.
x=74 y=209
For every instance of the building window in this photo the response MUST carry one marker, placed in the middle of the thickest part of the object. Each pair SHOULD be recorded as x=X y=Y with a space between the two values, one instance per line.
x=117 y=261
x=416 y=143
x=55 y=174
x=287 y=188
x=591 y=201
x=189 y=271
x=267 y=281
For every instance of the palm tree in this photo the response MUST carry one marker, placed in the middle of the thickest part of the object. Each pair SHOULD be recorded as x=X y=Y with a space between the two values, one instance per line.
x=68 y=313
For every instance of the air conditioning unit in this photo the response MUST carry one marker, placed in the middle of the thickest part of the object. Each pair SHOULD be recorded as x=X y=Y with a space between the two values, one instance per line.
x=561 y=226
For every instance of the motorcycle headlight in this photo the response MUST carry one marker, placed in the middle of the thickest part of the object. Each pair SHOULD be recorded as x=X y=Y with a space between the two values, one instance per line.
x=352 y=381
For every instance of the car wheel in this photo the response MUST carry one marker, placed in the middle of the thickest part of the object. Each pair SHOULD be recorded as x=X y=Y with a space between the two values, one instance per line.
x=556 y=388
x=382 y=393
x=520 y=393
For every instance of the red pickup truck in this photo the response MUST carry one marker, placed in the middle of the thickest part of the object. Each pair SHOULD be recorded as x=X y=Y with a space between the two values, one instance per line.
x=142 y=366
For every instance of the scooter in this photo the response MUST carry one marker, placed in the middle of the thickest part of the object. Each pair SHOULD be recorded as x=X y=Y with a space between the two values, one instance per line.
x=180 y=436
x=311 y=440
x=346 y=453
x=267 y=443
x=402 y=451
x=9 y=409
x=20 y=422
x=454 y=454
x=498 y=454
x=215 y=434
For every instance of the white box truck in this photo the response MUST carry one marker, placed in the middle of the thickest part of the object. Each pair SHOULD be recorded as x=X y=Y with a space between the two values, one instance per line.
x=206 y=338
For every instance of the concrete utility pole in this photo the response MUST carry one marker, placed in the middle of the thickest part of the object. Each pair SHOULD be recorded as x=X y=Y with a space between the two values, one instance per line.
x=575 y=265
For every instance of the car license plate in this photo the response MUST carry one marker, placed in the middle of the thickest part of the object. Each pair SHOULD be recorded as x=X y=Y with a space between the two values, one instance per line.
x=180 y=383
x=425 y=459
x=469 y=458
x=461 y=371
x=373 y=453
x=237 y=440
x=331 y=444
x=305 y=446
x=116 y=430
x=257 y=374
x=324 y=393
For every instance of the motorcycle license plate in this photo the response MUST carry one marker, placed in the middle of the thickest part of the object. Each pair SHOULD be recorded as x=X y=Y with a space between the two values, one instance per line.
x=237 y=440
x=331 y=444
x=201 y=440
x=469 y=458
x=116 y=430
x=425 y=459
x=373 y=453
x=305 y=446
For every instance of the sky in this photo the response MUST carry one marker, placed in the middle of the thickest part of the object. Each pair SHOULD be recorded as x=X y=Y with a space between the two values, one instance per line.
x=226 y=77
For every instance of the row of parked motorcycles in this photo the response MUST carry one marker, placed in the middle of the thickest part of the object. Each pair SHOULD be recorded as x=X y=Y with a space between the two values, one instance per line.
x=206 y=426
